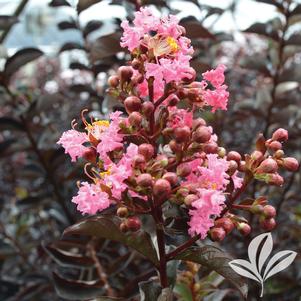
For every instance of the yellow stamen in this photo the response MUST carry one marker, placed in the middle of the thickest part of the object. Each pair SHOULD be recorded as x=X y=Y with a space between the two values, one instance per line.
x=105 y=173
x=173 y=44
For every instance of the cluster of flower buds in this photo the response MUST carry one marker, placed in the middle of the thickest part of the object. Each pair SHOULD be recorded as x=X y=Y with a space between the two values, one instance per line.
x=162 y=153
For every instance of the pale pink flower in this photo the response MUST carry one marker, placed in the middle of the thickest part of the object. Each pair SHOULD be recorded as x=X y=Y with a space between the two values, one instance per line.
x=179 y=117
x=209 y=205
x=91 y=199
x=110 y=138
x=217 y=99
x=214 y=176
x=237 y=180
x=72 y=141
x=215 y=76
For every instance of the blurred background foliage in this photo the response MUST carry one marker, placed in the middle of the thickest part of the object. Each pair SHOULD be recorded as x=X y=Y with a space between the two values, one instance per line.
x=55 y=57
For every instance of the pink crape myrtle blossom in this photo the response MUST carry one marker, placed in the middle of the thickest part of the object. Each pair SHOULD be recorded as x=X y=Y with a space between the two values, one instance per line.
x=209 y=205
x=90 y=199
x=180 y=118
x=110 y=138
x=215 y=76
x=72 y=141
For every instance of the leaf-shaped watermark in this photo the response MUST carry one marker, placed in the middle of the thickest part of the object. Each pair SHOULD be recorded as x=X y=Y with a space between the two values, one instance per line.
x=259 y=250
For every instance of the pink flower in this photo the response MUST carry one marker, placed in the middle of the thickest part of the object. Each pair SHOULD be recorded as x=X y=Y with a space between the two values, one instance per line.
x=214 y=176
x=217 y=99
x=237 y=180
x=119 y=172
x=209 y=205
x=110 y=138
x=179 y=118
x=91 y=199
x=72 y=141
x=215 y=76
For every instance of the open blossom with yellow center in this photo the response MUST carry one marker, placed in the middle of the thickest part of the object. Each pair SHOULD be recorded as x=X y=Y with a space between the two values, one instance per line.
x=96 y=128
x=162 y=46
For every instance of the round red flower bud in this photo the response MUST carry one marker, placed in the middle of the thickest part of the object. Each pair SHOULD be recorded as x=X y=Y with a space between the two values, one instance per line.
x=189 y=199
x=242 y=166
x=182 y=134
x=132 y=104
x=125 y=73
x=268 y=165
x=113 y=81
x=280 y=135
x=146 y=150
x=174 y=146
x=268 y=224
x=145 y=180
x=133 y=223
x=167 y=131
x=147 y=108
x=90 y=155
x=210 y=148
x=161 y=188
x=123 y=227
x=257 y=155
x=138 y=161
x=136 y=64
x=171 y=177
x=192 y=76
x=232 y=167
x=122 y=212
x=233 y=155
x=257 y=209
x=183 y=170
x=244 y=228
x=269 y=211
x=135 y=119
x=290 y=164
x=275 y=146
x=217 y=234
x=275 y=179
x=202 y=134
x=225 y=223
x=279 y=154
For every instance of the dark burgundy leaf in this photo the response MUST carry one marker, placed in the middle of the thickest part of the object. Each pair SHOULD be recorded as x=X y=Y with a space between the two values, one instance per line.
x=80 y=66
x=84 y=4
x=196 y=30
x=265 y=29
x=91 y=26
x=67 y=25
x=19 y=59
x=8 y=123
x=7 y=21
x=71 y=46
x=56 y=3
x=294 y=39
x=296 y=10
x=108 y=227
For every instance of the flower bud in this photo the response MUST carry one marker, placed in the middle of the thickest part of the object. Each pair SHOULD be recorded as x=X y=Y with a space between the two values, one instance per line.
x=290 y=164
x=182 y=134
x=147 y=108
x=269 y=165
x=202 y=134
x=135 y=119
x=224 y=223
x=221 y=152
x=268 y=224
x=244 y=228
x=171 y=177
x=132 y=104
x=279 y=154
x=242 y=166
x=189 y=199
x=136 y=64
x=269 y=211
x=280 y=135
x=274 y=146
x=90 y=155
x=189 y=79
x=257 y=209
x=146 y=150
x=113 y=81
x=232 y=167
x=138 y=161
x=123 y=227
x=197 y=123
x=174 y=146
x=257 y=156
x=183 y=170
x=233 y=155
x=217 y=234
x=172 y=100
x=145 y=180
x=167 y=131
x=133 y=223
x=210 y=148
x=162 y=160
x=275 y=179
x=122 y=212
x=161 y=188
x=125 y=73
x=182 y=192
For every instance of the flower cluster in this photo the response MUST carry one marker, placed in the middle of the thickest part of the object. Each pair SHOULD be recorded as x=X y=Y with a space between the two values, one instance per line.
x=160 y=153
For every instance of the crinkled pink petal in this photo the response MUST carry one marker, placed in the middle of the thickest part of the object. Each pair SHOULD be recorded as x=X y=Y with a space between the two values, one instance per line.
x=215 y=76
x=91 y=199
x=72 y=141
